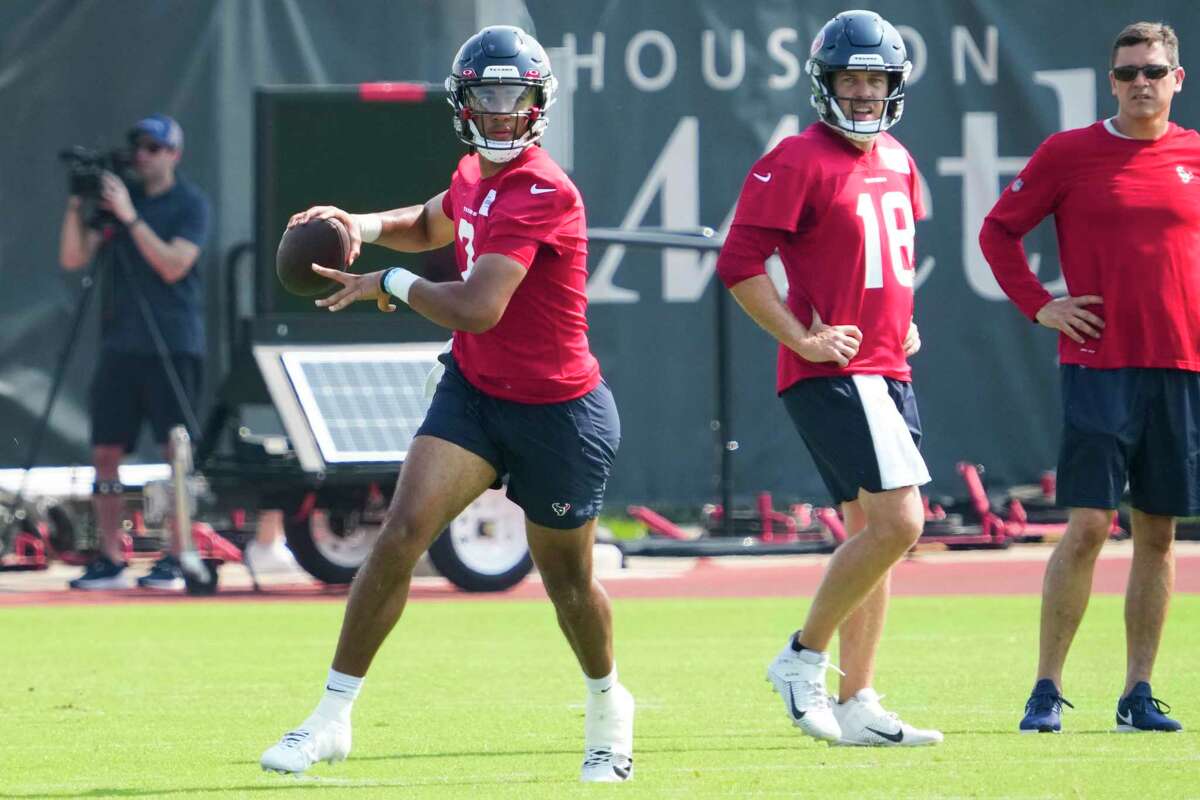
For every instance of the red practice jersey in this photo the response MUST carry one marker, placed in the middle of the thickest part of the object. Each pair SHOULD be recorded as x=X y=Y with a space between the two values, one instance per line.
x=1127 y=213
x=532 y=213
x=843 y=222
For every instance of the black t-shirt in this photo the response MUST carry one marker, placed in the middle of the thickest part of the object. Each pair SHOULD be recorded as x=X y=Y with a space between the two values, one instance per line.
x=182 y=211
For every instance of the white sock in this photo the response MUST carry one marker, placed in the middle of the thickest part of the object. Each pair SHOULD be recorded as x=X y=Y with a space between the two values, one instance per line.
x=812 y=656
x=340 y=691
x=601 y=685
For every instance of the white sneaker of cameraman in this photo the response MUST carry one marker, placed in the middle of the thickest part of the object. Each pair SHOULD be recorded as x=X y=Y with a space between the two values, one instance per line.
x=865 y=722
x=799 y=678
x=317 y=739
x=608 y=737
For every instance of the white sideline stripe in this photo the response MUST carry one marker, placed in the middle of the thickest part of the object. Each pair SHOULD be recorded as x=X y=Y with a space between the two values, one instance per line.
x=900 y=462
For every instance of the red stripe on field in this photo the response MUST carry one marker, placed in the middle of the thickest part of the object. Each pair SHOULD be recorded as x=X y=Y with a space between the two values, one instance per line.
x=921 y=576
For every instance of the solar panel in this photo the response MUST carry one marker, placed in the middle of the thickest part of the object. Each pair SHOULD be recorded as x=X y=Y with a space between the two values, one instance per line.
x=363 y=404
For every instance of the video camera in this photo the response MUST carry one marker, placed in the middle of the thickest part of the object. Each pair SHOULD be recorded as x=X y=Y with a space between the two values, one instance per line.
x=85 y=168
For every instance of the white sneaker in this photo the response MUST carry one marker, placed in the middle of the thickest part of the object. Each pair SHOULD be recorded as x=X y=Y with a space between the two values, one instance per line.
x=272 y=558
x=608 y=737
x=799 y=678
x=866 y=723
x=317 y=739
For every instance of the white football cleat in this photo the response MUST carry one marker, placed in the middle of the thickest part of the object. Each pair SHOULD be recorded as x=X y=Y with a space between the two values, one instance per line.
x=865 y=723
x=608 y=737
x=317 y=739
x=799 y=678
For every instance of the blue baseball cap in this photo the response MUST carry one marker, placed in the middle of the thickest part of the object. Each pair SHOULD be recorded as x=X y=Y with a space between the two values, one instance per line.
x=161 y=129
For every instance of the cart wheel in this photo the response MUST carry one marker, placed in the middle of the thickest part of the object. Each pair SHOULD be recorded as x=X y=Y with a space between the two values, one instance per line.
x=484 y=549
x=331 y=544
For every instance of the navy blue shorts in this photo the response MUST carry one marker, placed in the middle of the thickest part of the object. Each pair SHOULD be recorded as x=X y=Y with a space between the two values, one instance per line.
x=862 y=431
x=131 y=388
x=557 y=456
x=1134 y=424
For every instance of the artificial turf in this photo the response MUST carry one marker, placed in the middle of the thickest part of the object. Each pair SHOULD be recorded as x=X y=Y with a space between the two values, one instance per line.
x=483 y=700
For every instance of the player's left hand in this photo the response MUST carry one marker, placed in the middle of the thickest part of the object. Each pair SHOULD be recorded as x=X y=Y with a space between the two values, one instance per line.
x=912 y=339
x=354 y=288
x=114 y=197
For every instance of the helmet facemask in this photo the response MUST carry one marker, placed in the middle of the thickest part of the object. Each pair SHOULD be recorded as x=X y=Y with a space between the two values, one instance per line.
x=825 y=98
x=500 y=117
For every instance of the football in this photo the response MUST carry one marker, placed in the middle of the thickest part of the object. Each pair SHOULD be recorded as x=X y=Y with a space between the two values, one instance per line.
x=318 y=241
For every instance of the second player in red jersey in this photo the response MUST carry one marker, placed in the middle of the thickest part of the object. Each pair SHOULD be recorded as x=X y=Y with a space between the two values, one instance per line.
x=843 y=221
x=839 y=204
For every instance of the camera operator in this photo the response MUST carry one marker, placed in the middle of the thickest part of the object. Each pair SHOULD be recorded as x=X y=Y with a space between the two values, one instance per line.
x=148 y=242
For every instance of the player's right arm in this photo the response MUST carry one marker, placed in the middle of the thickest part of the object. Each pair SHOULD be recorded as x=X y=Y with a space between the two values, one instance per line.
x=818 y=343
x=741 y=267
x=411 y=229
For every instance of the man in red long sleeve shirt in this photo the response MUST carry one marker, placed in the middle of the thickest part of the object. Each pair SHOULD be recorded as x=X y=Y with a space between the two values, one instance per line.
x=1125 y=195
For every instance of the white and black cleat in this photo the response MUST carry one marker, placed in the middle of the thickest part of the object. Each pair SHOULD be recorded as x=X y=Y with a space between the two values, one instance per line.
x=866 y=723
x=317 y=739
x=608 y=737
x=605 y=766
x=799 y=679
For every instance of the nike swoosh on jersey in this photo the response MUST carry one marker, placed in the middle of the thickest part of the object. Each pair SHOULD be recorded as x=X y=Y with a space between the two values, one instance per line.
x=535 y=189
x=763 y=178
x=896 y=737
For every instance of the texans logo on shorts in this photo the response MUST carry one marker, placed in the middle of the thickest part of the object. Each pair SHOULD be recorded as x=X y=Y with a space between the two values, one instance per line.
x=561 y=508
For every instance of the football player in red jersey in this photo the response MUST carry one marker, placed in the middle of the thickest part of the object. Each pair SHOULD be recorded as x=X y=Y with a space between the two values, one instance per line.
x=838 y=202
x=521 y=394
x=1125 y=196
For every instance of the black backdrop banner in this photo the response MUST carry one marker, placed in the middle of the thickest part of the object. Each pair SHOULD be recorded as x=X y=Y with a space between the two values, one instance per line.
x=664 y=107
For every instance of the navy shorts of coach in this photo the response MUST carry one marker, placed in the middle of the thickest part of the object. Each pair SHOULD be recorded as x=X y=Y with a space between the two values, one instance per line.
x=863 y=432
x=557 y=456
x=1137 y=424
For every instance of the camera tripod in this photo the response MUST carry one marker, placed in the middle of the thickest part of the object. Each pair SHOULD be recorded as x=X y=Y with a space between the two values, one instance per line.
x=17 y=516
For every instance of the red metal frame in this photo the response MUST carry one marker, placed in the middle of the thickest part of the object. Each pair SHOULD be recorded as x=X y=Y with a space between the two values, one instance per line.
x=657 y=523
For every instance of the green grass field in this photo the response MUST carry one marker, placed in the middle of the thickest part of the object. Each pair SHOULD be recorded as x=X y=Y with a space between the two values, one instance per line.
x=482 y=700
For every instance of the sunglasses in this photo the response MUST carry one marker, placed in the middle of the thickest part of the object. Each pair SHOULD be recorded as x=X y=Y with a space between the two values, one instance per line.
x=1130 y=72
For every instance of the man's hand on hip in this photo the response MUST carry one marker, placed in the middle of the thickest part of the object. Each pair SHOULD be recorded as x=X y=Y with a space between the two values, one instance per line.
x=1068 y=315
x=912 y=339
x=837 y=343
